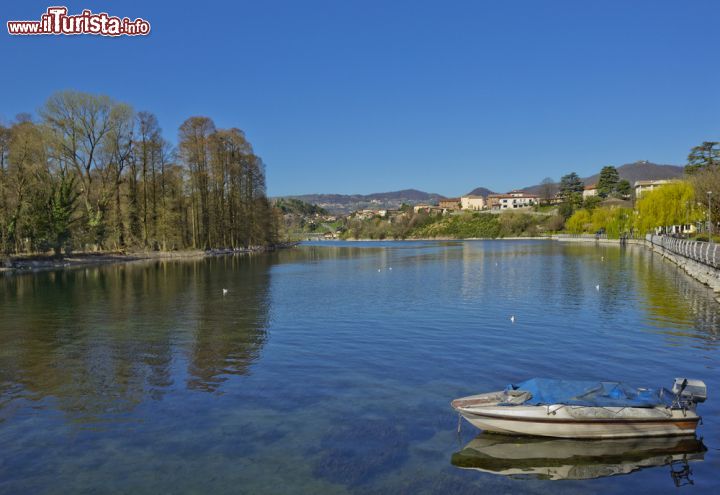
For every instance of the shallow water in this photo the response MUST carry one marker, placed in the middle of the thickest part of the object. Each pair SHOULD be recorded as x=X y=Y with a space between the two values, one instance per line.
x=323 y=370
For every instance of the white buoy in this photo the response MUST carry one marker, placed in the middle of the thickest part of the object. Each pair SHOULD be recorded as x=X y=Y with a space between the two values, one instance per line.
x=512 y=318
x=225 y=291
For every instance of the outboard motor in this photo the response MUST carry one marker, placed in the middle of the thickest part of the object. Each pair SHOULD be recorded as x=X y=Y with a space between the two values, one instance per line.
x=688 y=391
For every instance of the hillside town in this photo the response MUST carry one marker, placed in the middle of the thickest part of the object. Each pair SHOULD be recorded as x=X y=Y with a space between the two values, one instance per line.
x=512 y=200
x=624 y=201
x=324 y=225
x=516 y=199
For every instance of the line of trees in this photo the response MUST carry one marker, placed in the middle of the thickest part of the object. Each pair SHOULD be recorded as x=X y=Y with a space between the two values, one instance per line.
x=609 y=185
x=93 y=174
x=693 y=200
x=674 y=203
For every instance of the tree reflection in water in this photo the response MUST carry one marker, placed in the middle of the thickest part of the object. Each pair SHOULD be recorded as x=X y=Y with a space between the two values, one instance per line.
x=98 y=341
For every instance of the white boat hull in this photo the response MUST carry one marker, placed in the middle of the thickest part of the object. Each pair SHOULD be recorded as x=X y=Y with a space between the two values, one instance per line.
x=563 y=421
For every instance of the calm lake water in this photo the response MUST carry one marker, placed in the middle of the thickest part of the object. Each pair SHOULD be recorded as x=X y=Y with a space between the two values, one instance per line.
x=329 y=368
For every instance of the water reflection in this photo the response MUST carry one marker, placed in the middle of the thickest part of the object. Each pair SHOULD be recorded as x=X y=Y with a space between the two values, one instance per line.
x=230 y=330
x=633 y=275
x=98 y=341
x=143 y=378
x=565 y=459
x=669 y=297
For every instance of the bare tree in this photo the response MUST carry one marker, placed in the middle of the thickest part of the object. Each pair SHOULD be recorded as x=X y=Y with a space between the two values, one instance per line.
x=194 y=135
x=93 y=172
x=118 y=149
x=548 y=188
x=78 y=123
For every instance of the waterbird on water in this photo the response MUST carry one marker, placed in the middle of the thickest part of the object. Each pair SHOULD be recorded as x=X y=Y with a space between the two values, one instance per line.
x=597 y=287
x=512 y=318
x=225 y=291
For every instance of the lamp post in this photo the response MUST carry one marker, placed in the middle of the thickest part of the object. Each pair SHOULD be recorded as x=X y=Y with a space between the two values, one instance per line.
x=710 y=230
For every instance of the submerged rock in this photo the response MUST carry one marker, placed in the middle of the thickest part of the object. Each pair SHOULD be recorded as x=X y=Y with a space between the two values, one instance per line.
x=355 y=453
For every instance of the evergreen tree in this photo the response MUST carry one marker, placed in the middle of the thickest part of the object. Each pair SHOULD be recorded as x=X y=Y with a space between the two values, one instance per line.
x=570 y=184
x=571 y=189
x=623 y=189
x=607 y=183
x=60 y=212
x=703 y=157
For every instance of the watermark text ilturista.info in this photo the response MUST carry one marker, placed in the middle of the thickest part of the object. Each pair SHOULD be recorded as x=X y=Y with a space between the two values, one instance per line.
x=56 y=20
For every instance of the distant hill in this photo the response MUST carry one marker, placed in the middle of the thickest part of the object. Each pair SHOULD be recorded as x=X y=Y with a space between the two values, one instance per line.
x=297 y=207
x=641 y=170
x=346 y=203
x=480 y=191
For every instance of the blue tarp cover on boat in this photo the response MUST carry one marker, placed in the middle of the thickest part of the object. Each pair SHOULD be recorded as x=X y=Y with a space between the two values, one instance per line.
x=547 y=391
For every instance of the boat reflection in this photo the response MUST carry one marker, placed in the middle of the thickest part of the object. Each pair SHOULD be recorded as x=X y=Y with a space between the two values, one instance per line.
x=567 y=459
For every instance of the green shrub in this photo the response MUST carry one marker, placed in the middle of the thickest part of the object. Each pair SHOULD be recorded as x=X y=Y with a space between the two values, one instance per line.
x=461 y=226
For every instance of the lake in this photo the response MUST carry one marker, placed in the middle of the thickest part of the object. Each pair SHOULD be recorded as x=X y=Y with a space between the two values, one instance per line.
x=329 y=368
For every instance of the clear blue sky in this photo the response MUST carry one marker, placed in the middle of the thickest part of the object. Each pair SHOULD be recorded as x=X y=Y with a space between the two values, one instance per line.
x=364 y=96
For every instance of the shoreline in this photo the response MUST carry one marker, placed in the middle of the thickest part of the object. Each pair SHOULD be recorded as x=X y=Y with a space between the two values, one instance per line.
x=704 y=274
x=42 y=262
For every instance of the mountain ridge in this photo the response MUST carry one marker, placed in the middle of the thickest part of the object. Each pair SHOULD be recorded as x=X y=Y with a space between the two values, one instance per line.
x=346 y=203
x=639 y=170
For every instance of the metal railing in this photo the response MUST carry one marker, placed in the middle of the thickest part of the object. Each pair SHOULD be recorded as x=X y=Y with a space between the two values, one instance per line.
x=702 y=252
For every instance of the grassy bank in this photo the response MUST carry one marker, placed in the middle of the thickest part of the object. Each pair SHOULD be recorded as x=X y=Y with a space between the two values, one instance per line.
x=464 y=225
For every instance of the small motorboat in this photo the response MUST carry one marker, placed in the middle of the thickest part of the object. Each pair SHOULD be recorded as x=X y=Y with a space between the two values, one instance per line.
x=586 y=409
x=572 y=459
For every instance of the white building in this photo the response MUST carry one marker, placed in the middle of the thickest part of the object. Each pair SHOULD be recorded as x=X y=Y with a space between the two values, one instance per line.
x=590 y=190
x=643 y=186
x=514 y=201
